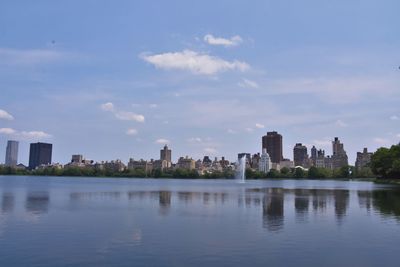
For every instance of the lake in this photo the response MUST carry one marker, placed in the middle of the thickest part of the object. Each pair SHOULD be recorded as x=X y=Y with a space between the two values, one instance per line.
x=62 y=221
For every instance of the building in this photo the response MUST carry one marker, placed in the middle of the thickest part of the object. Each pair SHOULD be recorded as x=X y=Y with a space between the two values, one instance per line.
x=255 y=161
x=339 y=156
x=300 y=156
x=264 y=164
x=161 y=165
x=39 y=154
x=12 y=153
x=314 y=156
x=166 y=154
x=363 y=159
x=207 y=161
x=273 y=143
x=320 y=159
x=144 y=165
x=79 y=161
x=186 y=163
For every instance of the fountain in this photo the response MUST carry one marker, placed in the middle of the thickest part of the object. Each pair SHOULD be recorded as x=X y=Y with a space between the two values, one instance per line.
x=240 y=170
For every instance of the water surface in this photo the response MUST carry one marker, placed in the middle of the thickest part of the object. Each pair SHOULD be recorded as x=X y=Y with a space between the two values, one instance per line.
x=54 y=221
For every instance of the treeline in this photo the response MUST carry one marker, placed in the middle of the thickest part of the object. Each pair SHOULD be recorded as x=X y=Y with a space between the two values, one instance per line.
x=385 y=162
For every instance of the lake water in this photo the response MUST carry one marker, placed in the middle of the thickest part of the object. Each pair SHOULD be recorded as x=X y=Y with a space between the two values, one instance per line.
x=53 y=221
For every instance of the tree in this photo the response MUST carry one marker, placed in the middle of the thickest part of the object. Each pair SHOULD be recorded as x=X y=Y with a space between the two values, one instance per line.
x=385 y=162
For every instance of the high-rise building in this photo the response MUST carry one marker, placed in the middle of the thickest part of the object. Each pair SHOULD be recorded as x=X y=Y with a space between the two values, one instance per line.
x=12 y=153
x=363 y=159
x=166 y=154
x=39 y=154
x=264 y=164
x=339 y=156
x=314 y=156
x=273 y=143
x=300 y=156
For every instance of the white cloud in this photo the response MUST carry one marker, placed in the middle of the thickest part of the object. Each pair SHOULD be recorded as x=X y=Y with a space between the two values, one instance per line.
x=35 y=135
x=340 y=123
x=260 y=126
x=162 y=141
x=122 y=115
x=248 y=83
x=25 y=134
x=210 y=150
x=394 y=118
x=129 y=116
x=195 y=140
x=249 y=130
x=107 y=106
x=230 y=131
x=29 y=56
x=5 y=115
x=233 y=41
x=131 y=131
x=7 y=131
x=381 y=141
x=197 y=63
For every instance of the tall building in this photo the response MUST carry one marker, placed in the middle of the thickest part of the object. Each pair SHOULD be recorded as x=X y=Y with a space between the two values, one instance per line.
x=39 y=154
x=264 y=164
x=339 y=156
x=300 y=156
x=12 y=153
x=165 y=154
x=363 y=159
x=314 y=156
x=272 y=142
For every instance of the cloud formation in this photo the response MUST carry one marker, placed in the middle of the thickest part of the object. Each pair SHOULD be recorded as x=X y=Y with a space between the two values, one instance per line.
x=197 y=63
x=28 y=56
x=35 y=135
x=162 y=141
x=260 y=126
x=394 y=118
x=248 y=83
x=5 y=115
x=233 y=41
x=122 y=115
x=131 y=131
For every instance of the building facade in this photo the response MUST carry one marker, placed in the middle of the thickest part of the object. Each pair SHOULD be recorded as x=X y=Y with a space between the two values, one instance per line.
x=186 y=163
x=363 y=159
x=12 y=153
x=264 y=164
x=272 y=142
x=166 y=154
x=40 y=154
x=300 y=155
x=339 y=156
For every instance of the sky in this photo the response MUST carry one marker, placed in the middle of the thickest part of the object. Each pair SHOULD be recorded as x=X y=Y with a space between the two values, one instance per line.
x=119 y=79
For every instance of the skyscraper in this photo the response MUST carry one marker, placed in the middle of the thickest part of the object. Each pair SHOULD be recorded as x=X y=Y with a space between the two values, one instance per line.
x=300 y=156
x=165 y=154
x=272 y=142
x=264 y=164
x=339 y=156
x=314 y=155
x=39 y=154
x=12 y=153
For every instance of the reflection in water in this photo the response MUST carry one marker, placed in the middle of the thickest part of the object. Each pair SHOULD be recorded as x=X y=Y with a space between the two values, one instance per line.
x=37 y=202
x=341 y=203
x=365 y=199
x=319 y=199
x=7 y=203
x=164 y=201
x=273 y=215
x=301 y=203
x=94 y=195
x=387 y=202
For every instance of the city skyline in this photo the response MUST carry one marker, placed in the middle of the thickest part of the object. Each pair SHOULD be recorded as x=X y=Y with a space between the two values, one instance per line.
x=110 y=88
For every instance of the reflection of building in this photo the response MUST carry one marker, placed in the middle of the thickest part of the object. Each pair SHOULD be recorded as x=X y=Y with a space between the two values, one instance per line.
x=273 y=143
x=339 y=156
x=301 y=202
x=300 y=156
x=273 y=215
x=37 y=202
x=12 y=153
x=363 y=159
x=265 y=162
x=7 y=203
x=341 y=203
x=40 y=154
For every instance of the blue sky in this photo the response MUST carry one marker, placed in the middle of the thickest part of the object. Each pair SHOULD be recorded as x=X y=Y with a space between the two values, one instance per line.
x=118 y=79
